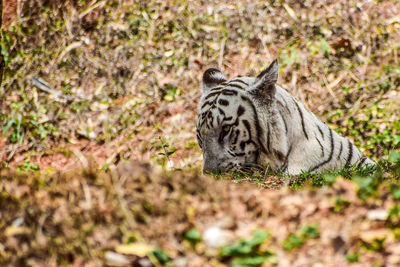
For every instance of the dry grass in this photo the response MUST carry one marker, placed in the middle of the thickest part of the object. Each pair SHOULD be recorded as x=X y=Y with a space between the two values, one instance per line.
x=124 y=75
x=80 y=218
x=93 y=83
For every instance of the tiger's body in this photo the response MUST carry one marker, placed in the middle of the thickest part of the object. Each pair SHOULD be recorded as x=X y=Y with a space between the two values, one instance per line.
x=252 y=122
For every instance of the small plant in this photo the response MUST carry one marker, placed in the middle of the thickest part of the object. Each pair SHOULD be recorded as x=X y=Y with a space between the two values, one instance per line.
x=247 y=252
x=367 y=187
x=325 y=47
x=28 y=166
x=329 y=179
x=294 y=241
x=375 y=245
x=340 y=204
x=394 y=215
x=307 y=177
x=310 y=231
x=238 y=175
x=353 y=257
x=396 y=233
x=18 y=132
x=166 y=153
x=161 y=257
x=170 y=92
x=395 y=190
x=193 y=236
x=105 y=167
x=394 y=158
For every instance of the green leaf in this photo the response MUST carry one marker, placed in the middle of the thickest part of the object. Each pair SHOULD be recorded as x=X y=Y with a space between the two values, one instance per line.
x=8 y=126
x=245 y=247
x=353 y=257
x=374 y=245
x=259 y=236
x=367 y=187
x=325 y=47
x=293 y=241
x=242 y=248
x=394 y=156
x=395 y=189
x=161 y=256
x=396 y=140
x=329 y=179
x=193 y=236
x=293 y=55
x=340 y=204
x=28 y=166
x=253 y=260
x=4 y=52
x=310 y=231
x=394 y=212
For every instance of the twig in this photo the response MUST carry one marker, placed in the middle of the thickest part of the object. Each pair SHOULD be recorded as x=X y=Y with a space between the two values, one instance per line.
x=221 y=53
x=46 y=87
x=93 y=5
x=68 y=49
x=328 y=87
x=12 y=153
x=379 y=81
x=122 y=202
x=81 y=158
x=1 y=36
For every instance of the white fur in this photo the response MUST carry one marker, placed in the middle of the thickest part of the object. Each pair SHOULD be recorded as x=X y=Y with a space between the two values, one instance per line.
x=297 y=141
x=306 y=153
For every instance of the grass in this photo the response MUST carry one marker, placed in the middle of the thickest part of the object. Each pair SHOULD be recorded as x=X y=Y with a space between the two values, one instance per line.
x=89 y=85
x=133 y=66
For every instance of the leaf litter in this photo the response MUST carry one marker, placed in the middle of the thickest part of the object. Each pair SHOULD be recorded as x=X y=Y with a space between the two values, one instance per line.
x=125 y=215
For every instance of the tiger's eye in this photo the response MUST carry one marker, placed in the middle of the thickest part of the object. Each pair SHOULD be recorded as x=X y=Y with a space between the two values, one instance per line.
x=226 y=128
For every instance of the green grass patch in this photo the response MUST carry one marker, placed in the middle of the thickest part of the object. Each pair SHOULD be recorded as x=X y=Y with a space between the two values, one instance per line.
x=247 y=252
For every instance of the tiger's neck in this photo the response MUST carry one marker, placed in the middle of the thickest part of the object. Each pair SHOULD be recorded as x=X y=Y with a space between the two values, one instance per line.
x=296 y=141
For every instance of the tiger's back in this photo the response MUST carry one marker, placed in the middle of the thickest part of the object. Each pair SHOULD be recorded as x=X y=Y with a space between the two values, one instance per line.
x=252 y=122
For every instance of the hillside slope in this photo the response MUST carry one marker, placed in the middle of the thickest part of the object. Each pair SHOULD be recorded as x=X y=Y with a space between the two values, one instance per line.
x=99 y=162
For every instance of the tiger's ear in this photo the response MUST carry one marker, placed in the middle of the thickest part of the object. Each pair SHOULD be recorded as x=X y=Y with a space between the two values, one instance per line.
x=264 y=86
x=211 y=78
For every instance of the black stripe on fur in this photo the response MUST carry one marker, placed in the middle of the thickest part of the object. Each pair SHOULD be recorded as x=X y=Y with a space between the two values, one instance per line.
x=350 y=155
x=330 y=154
x=302 y=119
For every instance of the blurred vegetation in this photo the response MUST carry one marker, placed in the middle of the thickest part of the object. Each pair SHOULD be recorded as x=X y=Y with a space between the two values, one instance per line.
x=94 y=83
x=136 y=215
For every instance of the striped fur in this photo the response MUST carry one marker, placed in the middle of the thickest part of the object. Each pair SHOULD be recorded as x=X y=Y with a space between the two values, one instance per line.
x=251 y=122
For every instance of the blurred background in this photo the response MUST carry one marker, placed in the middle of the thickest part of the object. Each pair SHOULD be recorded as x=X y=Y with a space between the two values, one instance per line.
x=116 y=80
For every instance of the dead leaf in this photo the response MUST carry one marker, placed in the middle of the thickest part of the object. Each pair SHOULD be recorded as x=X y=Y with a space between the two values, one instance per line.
x=16 y=230
x=370 y=235
x=137 y=249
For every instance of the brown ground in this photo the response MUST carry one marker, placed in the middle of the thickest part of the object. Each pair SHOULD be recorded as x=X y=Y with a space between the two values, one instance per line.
x=9 y=12
x=48 y=218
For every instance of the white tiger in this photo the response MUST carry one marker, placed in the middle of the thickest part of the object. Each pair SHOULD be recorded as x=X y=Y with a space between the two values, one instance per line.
x=251 y=122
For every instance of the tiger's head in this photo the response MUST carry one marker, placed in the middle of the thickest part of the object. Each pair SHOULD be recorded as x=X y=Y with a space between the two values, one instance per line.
x=228 y=126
